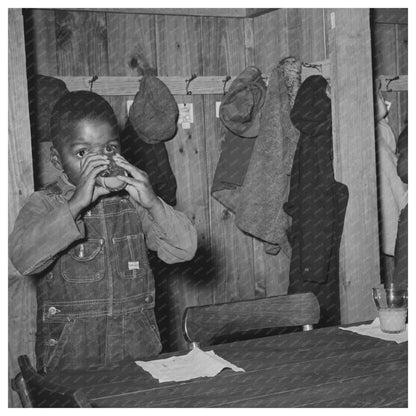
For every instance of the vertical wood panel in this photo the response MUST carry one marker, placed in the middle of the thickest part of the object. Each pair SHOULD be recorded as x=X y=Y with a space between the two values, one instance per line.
x=128 y=35
x=271 y=273
x=22 y=298
x=178 y=41
x=41 y=42
x=270 y=39
x=402 y=58
x=385 y=62
x=81 y=43
x=354 y=160
x=224 y=53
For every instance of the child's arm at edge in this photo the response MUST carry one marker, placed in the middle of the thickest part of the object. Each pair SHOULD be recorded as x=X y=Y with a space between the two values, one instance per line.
x=42 y=230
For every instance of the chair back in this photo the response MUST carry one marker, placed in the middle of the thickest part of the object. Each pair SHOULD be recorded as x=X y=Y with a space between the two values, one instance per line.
x=208 y=323
x=35 y=391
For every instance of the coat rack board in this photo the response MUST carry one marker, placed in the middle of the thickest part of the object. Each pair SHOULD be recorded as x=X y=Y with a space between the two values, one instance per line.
x=178 y=85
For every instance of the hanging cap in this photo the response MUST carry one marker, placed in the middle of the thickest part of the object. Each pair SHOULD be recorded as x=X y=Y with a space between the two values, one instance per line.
x=240 y=110
x=154 y=112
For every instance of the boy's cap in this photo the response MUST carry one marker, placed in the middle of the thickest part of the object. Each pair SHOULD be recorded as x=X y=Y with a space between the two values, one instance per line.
x=44 y=93
x=154 y=112
x=240 y=108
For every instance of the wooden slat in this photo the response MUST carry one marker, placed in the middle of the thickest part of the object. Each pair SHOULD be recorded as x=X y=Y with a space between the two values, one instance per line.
x=223 y=50
x=354 y=159
x=128 y=36
x=270 y=39
x=41 y=42
x=385 y=62
x=178 y=52
x=214 y=12
x=285 y=371
x=22 y=301
x=121 y=85
x=391 y=16
x=81 y=43
x=402 y=58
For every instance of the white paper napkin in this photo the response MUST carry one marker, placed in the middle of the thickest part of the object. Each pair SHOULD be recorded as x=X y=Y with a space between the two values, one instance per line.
x=373 y=330
x=196 y=363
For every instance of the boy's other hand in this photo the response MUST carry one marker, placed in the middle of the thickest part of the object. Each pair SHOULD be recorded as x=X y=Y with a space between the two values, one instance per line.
x=138 y=186
x=86 y=191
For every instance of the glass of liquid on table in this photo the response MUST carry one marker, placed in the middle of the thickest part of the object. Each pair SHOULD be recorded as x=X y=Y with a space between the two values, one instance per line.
x=391 y=303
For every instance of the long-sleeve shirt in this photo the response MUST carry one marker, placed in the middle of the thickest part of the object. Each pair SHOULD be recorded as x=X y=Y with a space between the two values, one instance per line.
x=45 y=227
x=95 y=290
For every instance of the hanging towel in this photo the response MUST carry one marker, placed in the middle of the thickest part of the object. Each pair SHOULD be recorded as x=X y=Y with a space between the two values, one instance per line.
x=153 y=159
x=266 y=185
x=392 y=191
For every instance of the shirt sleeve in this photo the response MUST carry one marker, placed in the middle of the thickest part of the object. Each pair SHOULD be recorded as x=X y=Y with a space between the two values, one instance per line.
x=174 y=238
x=42 y=229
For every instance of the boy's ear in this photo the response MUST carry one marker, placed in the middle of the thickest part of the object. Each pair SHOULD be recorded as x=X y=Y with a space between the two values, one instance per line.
x=56 y=158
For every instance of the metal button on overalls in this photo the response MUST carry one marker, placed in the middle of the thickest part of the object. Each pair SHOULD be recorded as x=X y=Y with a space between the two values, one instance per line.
x=52 y=310
x=148 y=299
x=52 y=342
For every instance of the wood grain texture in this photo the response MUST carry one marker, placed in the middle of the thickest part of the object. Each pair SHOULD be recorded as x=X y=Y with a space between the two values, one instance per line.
x=403 y=68
x=206 y=324
x=214 y=12
x=354 y=160
x=385 y=62
x=129 y=37
x=81 y=43
x=40 y=41
x=22 y=304
x=321 y=368
x=178 y=41
x=223 y=51
x=391 y=15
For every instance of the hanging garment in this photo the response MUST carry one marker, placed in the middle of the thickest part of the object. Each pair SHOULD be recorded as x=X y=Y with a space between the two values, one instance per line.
x=153 y=159
x=240 y=113
x=392 y=191
x=317 y=203
x=400 y=277
x=266 y=185
x=231 y=169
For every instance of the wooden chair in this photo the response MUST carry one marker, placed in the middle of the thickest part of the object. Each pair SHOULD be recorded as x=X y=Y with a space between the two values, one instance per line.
x=35 y=391
x=225 y=322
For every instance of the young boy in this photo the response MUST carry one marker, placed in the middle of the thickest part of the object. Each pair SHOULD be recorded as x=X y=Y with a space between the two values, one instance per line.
x=88 y=247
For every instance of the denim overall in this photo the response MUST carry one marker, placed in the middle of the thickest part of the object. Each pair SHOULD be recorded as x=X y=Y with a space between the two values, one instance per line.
x=95 y=303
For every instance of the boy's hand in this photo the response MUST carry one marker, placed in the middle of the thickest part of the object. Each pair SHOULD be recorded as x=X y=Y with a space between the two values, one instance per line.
x=86 y=191
x=138 y=186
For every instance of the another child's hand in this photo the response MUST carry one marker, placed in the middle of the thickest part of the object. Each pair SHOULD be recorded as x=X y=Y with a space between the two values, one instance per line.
x=86 y=191
x=138 y=186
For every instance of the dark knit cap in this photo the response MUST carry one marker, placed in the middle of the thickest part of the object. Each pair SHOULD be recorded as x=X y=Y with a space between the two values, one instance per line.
x=154 y=112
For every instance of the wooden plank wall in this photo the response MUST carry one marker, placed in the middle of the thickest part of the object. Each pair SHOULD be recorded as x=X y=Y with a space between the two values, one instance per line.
x=390 y=56
x=229 y=265
x=22 y=300
x=354 y=158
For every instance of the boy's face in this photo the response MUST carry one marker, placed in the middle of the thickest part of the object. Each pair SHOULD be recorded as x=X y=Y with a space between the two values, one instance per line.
x=87 y=136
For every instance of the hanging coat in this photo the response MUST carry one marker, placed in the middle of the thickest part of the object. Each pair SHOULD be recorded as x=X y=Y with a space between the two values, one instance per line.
x=392 y=191
x=266 y=185
x=317 y=203
x=153 y=159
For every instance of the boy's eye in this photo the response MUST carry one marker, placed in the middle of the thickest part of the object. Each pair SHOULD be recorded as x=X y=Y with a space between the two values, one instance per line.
x=111 y=148
x=81 y=153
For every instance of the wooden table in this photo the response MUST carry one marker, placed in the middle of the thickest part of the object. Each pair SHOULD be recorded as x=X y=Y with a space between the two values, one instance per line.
x=322 y=368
